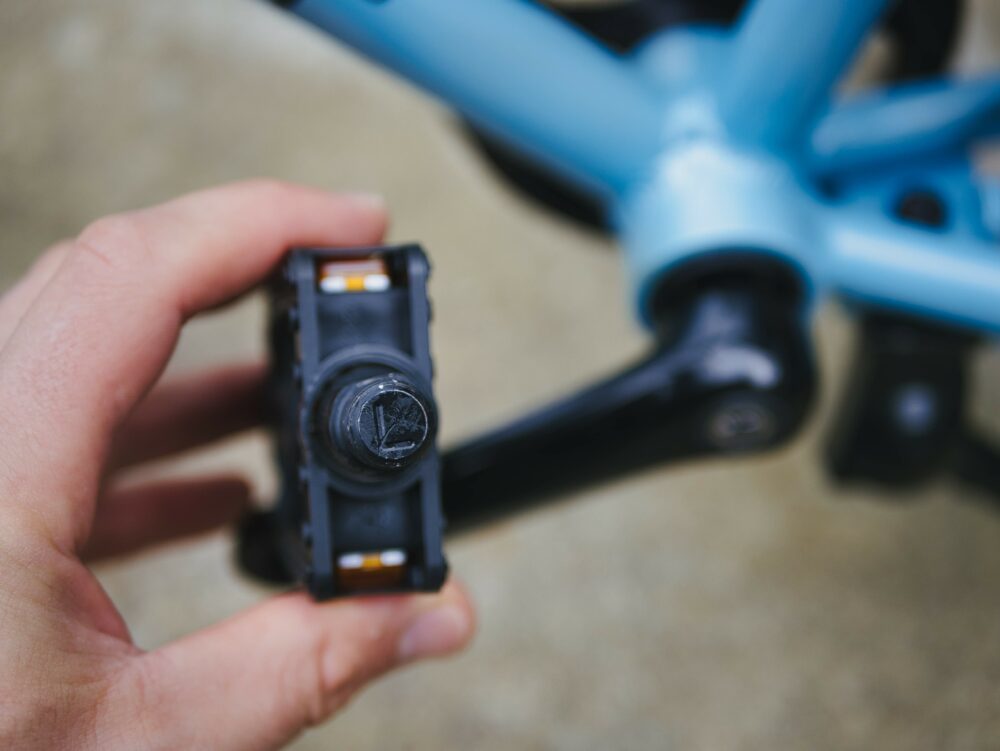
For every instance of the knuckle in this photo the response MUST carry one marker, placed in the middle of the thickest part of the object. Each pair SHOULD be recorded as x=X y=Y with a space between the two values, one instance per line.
x=113 y=241
x=335 y=667
x=339 y=665
x=300 y=684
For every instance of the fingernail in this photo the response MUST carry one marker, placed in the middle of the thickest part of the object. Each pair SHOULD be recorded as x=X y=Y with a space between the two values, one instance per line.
x=368 y=200
x=436 y=632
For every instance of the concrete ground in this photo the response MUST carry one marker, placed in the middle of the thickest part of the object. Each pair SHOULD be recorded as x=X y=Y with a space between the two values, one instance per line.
x=745 y=605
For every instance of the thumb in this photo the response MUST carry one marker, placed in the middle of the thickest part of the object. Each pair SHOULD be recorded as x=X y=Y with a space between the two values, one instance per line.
x=257 y=680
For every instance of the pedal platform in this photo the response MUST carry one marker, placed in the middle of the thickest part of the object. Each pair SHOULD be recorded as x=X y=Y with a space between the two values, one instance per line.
x=354 y=427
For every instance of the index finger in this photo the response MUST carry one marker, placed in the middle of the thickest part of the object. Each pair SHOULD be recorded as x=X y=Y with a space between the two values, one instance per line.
x=103 y=328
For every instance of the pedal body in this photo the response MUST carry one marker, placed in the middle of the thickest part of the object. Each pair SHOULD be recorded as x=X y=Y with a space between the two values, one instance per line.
x=355 y=422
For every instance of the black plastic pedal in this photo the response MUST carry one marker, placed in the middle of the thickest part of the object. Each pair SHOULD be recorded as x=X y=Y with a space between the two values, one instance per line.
x=355 y=423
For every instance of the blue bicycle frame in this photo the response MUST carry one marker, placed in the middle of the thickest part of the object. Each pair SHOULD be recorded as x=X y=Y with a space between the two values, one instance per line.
x=707 y=142
x=730 y=167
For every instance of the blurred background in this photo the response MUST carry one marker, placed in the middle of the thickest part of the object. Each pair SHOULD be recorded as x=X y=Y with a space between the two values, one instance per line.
x=737 y=605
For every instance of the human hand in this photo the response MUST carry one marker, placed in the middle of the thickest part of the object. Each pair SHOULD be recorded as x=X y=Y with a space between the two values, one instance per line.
x=83 y=339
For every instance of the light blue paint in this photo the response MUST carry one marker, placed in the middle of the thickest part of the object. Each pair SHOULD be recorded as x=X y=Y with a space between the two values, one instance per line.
x=709 y=142
x=516 y=70
x=787 y=57
x=909 y=122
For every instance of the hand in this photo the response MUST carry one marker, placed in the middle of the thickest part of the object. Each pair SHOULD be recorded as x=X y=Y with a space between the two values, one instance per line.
x=83 y=339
